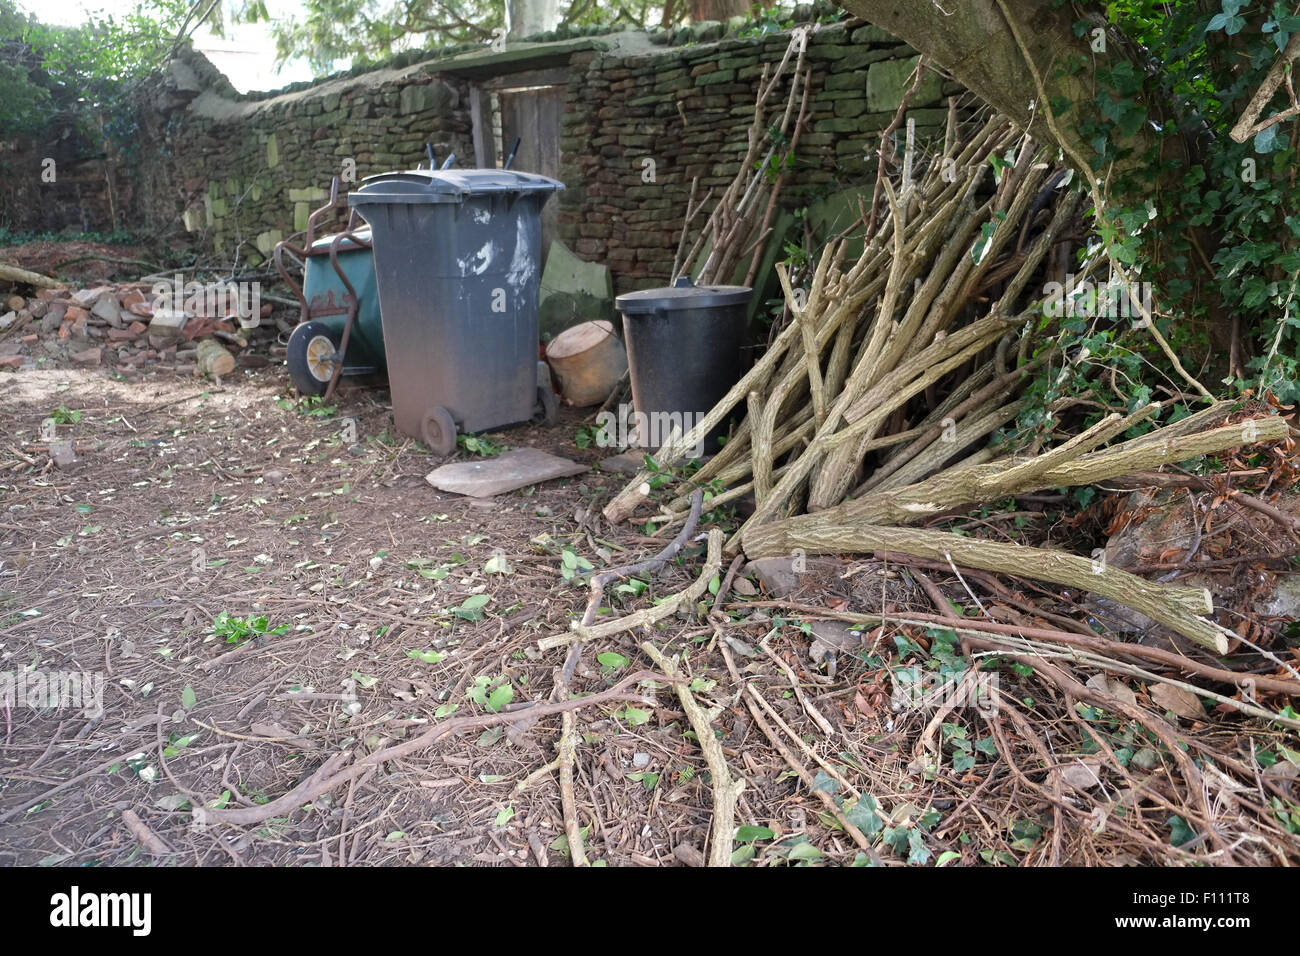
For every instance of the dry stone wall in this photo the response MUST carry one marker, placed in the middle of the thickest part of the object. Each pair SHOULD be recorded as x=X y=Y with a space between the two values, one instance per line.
x=638 y=129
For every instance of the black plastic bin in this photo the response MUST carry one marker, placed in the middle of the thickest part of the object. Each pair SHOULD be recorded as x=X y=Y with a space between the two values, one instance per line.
x=458 y=257
x=683 y=353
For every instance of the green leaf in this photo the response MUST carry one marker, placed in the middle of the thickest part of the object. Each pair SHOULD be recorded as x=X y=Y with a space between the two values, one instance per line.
x=611 y=659
x=429 y=657
x=805 y=851
x=946 y=857
x=747 y=834
x=739 y=856
x=863 y=815
x=825 y=782
x=1179 y=831
x=505 y=814
x=500 y=697
x=634 y=716
x=188 y=698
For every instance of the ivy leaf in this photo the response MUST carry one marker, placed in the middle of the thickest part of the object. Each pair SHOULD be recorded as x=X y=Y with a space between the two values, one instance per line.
x=1179 y=832
x=1266 y=139
x=500 y=697
x=863 y=815
x=429 y=657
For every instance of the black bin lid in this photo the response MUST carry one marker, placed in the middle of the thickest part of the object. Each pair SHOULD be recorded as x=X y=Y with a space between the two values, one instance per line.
x=447 y=185
x=683 y=294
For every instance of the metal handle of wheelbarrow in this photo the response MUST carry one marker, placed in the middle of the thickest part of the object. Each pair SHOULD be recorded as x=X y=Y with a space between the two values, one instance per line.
x=294 y=287
x=446 y=164
x=433 y=163
x=353 y=304
x=322 y=211
x=513 y=150
x=304 y=252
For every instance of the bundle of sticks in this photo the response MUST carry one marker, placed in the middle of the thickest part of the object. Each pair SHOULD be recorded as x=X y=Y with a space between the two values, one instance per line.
x=871 y=409
x=741 y=221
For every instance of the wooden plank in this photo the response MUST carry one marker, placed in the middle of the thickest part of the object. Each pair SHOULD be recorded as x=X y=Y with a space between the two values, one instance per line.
x=534 y=115
x=480 y=111
x=527 y=78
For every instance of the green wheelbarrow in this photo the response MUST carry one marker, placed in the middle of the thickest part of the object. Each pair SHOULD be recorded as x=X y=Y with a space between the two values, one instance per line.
x=340 y=331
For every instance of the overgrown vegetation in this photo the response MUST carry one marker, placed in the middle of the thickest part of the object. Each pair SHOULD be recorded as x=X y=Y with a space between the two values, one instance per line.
x=1213 y=224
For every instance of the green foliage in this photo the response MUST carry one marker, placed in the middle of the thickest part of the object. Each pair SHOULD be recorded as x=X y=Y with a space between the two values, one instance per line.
x=85 y=72
x=9 y=237
x=368 y=32
x=237 y=630
x=478 y=445
x=24 y=100
x=312 y=406
x=573 y=564
x=587 y=435
x=1213 y=224
x=491 y=694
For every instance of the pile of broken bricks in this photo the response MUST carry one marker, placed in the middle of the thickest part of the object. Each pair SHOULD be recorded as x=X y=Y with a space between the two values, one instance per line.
x=125 y=326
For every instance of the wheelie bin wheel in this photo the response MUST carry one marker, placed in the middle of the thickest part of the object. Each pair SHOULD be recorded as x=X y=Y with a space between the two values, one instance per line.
x=312 y=354
x=439 y=430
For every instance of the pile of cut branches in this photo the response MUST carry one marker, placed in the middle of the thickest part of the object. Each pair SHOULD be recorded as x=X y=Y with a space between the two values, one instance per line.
x=741 y=221
x=871 y=409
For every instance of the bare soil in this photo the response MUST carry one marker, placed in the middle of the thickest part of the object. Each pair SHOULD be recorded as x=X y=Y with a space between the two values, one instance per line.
x=192 y=501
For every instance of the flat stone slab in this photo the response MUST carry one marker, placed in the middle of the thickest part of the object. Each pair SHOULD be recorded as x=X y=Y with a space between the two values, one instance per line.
x=506 y=472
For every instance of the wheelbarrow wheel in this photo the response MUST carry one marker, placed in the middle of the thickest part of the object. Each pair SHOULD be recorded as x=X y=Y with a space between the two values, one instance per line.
x=439 y=430
x=311 y=356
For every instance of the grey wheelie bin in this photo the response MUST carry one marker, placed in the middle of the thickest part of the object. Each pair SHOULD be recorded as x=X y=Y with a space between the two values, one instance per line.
x=458 y=265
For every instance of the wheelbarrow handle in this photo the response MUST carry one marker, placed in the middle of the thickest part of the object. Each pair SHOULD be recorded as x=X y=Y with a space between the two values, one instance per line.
x=323 y=210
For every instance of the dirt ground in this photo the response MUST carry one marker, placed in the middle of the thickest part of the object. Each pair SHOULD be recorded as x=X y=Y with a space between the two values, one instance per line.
x=194 y=504
x=80 y=261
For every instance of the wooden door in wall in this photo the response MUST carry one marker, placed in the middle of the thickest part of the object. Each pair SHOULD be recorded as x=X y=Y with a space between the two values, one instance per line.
x=533 y=114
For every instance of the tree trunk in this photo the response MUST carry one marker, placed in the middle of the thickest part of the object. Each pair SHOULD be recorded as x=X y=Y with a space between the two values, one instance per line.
x=974 y=42
x=528 y=17
x=717 y=9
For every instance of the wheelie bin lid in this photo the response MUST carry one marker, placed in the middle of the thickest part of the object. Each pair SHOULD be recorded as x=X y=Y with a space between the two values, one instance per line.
x=447 y=185
x=683 y=294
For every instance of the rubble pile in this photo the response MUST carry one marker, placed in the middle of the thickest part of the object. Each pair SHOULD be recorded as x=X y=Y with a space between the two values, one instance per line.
x=133 y=326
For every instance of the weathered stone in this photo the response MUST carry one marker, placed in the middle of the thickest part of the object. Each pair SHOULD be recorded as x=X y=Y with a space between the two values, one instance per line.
x=106 y=308
x=889 y=80
x=508 y=471
x=63 y=454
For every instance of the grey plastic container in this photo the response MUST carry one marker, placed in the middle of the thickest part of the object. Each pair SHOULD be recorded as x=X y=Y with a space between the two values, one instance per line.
x=458 y=265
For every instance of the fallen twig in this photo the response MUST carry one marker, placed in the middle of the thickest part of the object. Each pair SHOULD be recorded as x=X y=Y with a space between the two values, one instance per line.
x=725 y=788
